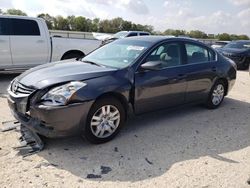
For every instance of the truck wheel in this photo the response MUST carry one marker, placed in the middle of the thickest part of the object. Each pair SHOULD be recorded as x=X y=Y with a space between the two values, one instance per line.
x=105 y=119
x=72 y=55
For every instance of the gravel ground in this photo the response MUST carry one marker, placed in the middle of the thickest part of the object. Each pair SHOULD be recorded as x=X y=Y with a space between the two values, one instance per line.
x=186 y=147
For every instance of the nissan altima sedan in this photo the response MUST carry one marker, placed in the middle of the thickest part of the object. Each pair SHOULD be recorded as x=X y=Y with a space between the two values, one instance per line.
x=92 y=96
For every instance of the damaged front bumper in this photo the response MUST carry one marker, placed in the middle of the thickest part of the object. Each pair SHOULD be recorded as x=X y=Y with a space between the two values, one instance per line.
x=50 y=121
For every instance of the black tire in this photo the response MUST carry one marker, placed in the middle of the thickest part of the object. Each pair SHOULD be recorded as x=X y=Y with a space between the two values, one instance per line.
x=87 y=132
x=72 y=55
x=210 y=104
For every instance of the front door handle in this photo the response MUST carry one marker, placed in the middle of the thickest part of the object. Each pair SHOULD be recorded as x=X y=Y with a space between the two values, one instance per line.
x=214 y=69
x=182 y=76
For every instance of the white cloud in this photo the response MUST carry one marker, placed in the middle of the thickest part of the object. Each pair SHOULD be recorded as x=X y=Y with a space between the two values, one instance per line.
x=138 y=7
x=240 y=2
x=166 y=3
x=244 y=17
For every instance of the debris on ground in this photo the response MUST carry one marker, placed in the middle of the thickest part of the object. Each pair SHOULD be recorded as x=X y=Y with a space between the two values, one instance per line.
x=105 y=169
x=9 y=125
x=93 y=176
x=30 y=142
x=148 y=161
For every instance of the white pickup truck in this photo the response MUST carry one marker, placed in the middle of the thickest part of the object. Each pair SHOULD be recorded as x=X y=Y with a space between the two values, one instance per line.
x=25 y=42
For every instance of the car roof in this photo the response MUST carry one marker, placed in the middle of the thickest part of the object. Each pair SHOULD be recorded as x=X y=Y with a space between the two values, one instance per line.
x=240 y=41
x=156 y=39
x=138 y=32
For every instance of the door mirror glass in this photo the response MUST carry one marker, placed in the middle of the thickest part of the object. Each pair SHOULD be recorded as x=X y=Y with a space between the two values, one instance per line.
x=151 y=65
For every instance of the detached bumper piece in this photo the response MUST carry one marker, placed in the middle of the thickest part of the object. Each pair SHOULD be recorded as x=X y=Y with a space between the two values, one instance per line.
x=10 y=125
x=30 y=142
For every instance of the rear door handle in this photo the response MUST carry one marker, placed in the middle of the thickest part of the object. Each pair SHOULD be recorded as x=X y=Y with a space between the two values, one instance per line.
x=40 y=41
x=2 y=41
x=214 y=69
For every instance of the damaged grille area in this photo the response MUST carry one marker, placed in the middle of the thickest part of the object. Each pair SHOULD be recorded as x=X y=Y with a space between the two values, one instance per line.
x=20 y=90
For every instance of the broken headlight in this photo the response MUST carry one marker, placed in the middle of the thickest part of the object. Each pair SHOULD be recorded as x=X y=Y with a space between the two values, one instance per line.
x=60 y=95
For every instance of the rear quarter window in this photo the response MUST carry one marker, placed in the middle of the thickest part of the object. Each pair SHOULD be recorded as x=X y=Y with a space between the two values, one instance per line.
x=24 y=27
x=144 y=34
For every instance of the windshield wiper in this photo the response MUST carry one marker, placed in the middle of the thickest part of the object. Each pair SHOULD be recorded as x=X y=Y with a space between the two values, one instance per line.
x=92 y=63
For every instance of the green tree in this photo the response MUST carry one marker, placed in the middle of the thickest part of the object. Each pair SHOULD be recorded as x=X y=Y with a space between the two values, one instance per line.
x=48 y=19
x=233 y=37
x=61 y=23
x=243 y=37
x=105 y=26
x=15 y=12
x=126 y=25
x=224 y=37
x=95 y=24
x=79 y=23
x=197 y=34
x=174 y=32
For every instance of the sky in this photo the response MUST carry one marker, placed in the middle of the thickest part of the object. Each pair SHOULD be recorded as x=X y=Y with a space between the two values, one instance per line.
x=210 y=16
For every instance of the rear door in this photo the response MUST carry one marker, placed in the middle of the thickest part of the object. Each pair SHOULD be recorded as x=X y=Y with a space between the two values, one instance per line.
x=166 y=87
x=200 y=71
x=28 y=43
x=5 y=53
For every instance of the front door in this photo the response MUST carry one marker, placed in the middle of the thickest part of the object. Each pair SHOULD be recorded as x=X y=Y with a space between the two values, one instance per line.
x=157 y=89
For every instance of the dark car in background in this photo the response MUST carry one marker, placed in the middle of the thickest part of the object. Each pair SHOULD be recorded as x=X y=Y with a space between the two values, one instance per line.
x=219 y=44
x=124 y=34
x=93 y=95
x=239 y=52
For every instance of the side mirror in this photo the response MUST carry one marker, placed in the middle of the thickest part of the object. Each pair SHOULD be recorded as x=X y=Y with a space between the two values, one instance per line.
x=151 y=65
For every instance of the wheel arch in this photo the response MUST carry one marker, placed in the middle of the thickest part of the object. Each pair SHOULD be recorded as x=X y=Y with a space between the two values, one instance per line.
x=225 y=81
x=120 y=97
x=72 y=51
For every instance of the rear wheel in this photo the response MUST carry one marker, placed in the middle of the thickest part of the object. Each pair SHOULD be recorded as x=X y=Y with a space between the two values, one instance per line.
x=105 y=119
x=216 y=95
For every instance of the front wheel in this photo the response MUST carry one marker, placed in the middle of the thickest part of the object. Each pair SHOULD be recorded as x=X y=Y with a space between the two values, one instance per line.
x=216 y=95
x=105 y=119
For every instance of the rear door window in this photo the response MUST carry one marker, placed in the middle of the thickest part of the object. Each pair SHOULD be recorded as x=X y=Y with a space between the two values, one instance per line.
x=132 y=34
x=24 y=27
x=4 y=26
x=197 y=54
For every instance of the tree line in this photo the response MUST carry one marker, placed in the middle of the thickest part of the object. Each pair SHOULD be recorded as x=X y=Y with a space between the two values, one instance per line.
x=80 y=23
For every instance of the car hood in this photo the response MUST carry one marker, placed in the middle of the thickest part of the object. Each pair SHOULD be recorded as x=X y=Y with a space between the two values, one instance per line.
x=232 y=50
x=63 y=71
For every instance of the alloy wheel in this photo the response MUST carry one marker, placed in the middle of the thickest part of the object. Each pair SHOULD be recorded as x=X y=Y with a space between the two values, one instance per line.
x=218 y=94
x=105 y=121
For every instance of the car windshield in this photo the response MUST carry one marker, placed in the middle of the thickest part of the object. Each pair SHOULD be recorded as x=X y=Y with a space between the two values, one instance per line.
x=238 y=45
x=118 y=54
x=121 y=34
